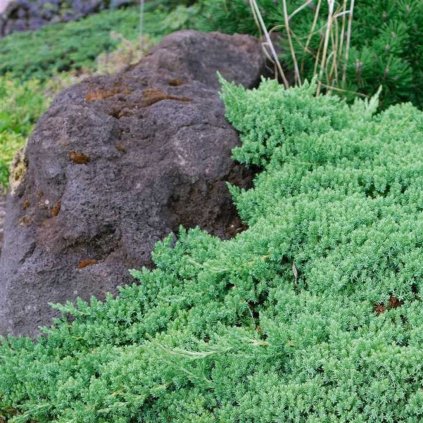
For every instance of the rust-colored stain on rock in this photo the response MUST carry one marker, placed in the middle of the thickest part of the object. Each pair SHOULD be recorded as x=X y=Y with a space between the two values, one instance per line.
x=78 y=157
x=56 y=209
x=154 y=95
x=175 y=82
x=86 y=262
x=26 y=204
x=101 y=94
x=120 y=147
x=25 y=220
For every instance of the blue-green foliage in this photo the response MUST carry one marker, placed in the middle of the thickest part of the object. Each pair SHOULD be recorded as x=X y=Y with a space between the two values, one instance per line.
x=313 y=314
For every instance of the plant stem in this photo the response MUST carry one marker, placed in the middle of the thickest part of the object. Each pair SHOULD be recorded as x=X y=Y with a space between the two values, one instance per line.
x=326 y=43
x=291 y=46
x=310 y=35
x=347 y=51
x=257 y=13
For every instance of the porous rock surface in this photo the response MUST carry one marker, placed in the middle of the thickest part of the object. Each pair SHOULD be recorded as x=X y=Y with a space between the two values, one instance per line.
x=116 y=164
x=2 y=216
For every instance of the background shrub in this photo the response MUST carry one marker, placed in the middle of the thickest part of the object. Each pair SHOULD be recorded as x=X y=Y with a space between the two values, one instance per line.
x=74 y=46
x=312 y=314
x=386 y=47
x=20 y=106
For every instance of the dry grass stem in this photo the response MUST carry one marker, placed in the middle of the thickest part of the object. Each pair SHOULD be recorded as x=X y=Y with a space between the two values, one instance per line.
x=312 y=29
x=308 y=2
x=330 y=57
x=291 y=46
x=331 y=4
x=262 y=25
x=347 y=49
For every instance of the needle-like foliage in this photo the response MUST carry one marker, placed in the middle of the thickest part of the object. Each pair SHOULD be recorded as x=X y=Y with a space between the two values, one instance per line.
x=354 y=47
x=313 y=314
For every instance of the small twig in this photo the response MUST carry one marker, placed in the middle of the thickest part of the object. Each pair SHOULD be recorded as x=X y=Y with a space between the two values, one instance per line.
x=298 y=40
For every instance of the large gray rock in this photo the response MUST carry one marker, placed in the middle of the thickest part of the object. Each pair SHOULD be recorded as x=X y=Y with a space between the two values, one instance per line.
x=116 y=164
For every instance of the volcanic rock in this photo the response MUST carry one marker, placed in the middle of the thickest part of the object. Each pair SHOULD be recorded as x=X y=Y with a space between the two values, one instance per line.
x=116 y=164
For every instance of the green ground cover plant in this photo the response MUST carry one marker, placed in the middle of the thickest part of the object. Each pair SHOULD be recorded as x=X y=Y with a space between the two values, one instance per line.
x=21 y=104
x=74 y=46
x=384 y=46
x=313 y=314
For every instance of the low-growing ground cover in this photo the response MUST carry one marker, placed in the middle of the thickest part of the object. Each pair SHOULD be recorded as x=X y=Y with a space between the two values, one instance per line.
x=313 y=314
x=20 y=106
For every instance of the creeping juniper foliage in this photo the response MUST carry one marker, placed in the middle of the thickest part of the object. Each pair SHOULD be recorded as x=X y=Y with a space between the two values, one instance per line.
x=313 y=314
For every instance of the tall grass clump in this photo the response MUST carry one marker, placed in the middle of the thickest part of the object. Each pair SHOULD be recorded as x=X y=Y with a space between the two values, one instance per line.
x=352 y=47
x=34 y=66
x=313 y=314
